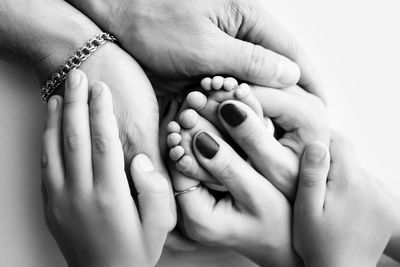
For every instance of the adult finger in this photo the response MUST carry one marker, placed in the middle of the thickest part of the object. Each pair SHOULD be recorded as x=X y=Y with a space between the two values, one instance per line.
x=259 y=27
x=154 y=199
x=314 y=170
x=344 y=163
x=200 y=212
x=242 y=181
x=269 y=157
x=107 y=154
x=76 y=131
x=253 y=63
x=52 y=152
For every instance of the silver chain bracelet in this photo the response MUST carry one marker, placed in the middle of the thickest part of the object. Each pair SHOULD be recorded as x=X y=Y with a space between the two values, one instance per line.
x=74 y=62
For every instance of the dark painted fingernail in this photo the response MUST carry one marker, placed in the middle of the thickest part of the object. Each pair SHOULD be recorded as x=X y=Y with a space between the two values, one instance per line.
x=206 y=145
x=233 y=115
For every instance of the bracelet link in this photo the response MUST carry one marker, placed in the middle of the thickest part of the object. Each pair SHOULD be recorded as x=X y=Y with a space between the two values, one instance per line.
x=74 y=62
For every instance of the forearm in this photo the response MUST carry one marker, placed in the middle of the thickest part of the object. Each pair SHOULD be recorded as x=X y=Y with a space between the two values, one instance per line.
x=42 y=33
x=100 y=11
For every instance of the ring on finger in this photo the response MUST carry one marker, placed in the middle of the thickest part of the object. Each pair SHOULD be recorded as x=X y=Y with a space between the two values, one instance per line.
x=191 y=189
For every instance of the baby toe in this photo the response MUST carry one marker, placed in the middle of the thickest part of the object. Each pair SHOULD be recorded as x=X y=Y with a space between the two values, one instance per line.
x=206 y=83
x=185 y=165
x=230 y=84
x=217 y=82
x=196 y=100
x=173 y=127
x=242 y=91
x=173 y=139
x=176 y=153
x=189 y=118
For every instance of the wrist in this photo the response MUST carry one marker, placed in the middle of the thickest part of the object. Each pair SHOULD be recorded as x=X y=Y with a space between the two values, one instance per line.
x=45 y=33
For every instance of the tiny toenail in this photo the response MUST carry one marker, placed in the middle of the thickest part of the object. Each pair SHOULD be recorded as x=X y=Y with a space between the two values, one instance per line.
x=233 y=115
x=206 y=145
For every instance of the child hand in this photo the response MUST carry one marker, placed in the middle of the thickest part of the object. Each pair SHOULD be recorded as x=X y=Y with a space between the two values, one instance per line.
x=340 y=214
x=88 y=205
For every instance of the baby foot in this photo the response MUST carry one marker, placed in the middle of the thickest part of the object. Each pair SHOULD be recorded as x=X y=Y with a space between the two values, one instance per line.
x=218 y=90
x=180 y=139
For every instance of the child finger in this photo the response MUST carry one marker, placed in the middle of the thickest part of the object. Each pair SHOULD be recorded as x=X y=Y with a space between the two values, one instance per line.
x=76 y=132
x=313 y=176
x=52 y=152
x=107 y=153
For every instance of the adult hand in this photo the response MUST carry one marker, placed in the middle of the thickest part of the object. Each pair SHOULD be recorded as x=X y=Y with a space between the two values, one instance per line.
x=189 y=39
x=342 y=216
x=254 y=220
x=56 y=30
x=88 y=204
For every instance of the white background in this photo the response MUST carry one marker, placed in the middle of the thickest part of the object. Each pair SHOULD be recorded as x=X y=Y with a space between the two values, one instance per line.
x=355 y=44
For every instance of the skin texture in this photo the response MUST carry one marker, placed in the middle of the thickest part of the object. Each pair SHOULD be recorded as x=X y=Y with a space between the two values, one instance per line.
x=55 y=31
x=180 y=41
x=261 y=231
x=88 y=204
x=342 y=216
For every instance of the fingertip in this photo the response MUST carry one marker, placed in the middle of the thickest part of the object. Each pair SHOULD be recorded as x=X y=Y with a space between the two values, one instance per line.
x=141 y=164
x=315 y=153
x=74 y=78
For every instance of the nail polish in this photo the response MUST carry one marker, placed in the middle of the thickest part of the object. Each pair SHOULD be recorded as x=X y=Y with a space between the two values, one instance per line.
x=206 y=145
x=233 y=115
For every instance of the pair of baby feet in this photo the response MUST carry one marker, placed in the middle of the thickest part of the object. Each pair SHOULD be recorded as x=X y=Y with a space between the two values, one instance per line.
x=199 y=113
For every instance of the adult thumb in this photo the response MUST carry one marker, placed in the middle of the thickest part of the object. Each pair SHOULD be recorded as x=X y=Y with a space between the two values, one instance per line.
x=254 y=63
x=153 y=199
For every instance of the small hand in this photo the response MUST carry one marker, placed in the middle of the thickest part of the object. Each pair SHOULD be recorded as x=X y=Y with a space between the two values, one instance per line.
x=88 y=204
x=342 y=217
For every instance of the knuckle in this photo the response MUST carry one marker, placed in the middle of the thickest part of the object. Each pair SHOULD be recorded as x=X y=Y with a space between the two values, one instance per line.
x=105 y=202
x=226 y=169
x=73 y=143
x=251 y=138
x=311 y=178
x=101 y=145
x=256 y=63
x=45 y=160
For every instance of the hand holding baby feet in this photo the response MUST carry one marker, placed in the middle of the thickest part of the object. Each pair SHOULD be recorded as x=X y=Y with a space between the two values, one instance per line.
x=342 y=216
x=203 y=115
x=88 y=204
x=299 y=114
x=180 y=141
x=254 y=219
x=218 y=90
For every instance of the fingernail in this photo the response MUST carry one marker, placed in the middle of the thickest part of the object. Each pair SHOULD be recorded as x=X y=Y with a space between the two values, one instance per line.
x=233 y=115
x=97 y=90
x=143 y=163
x=206 y=145
x=52 y=105
x=74 y=79
x=288 y=73
x=316 y=153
